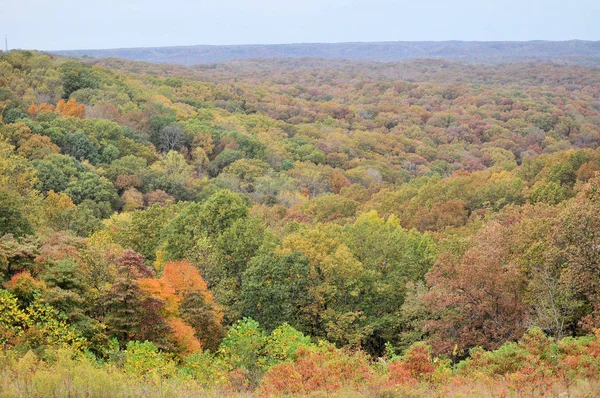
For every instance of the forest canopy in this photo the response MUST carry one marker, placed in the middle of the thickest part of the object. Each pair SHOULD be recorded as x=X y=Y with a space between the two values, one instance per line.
x=299 y=226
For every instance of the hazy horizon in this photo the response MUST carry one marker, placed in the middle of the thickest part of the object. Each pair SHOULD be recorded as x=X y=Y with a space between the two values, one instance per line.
x=135 y=23
x=310 y=43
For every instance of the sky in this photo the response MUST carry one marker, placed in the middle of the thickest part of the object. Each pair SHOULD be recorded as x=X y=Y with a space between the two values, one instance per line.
x=85 y=24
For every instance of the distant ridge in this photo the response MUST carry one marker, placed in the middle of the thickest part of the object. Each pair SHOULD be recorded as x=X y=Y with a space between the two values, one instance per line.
x=573 y=51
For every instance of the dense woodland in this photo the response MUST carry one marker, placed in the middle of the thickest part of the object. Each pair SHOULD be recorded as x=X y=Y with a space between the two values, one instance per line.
x=298 y=227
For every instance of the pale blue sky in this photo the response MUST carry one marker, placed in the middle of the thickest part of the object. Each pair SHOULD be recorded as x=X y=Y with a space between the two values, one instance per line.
x=84 y=24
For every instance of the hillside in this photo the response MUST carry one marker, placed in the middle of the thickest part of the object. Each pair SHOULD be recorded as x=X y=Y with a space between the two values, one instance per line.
x=571 y=52
x=301 y=227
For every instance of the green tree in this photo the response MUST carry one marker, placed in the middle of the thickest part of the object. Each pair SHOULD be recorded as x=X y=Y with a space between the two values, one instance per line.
x=67 y=293
x=76 y=76
x=90 y=186
x=12 y=220
x=55 y=171
x=242 y=348
x=79 y=146
x=276 y=289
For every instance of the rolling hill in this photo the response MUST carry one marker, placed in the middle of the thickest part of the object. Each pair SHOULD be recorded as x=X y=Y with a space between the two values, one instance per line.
x=571 y=52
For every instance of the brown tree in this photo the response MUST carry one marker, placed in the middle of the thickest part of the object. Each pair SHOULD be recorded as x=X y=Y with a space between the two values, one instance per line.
x=477 y=301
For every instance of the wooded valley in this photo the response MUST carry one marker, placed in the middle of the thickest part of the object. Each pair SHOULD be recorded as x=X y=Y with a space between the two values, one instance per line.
x=298 y=226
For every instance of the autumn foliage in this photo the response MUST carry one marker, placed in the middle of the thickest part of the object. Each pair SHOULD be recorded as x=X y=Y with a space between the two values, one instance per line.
x=189 y=307
x=64 y=108
x=34 y=110
x=426 y=228
x=324 y=369
x=71 y=108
